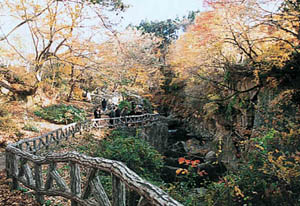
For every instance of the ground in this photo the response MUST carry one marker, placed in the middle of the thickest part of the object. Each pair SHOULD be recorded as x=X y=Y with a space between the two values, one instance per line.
x=21 y=116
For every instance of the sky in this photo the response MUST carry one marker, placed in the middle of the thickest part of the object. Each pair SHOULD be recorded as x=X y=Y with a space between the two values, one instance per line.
x=158 y=10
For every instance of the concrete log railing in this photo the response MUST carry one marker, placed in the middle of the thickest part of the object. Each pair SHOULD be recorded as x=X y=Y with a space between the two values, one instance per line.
x=24 y=166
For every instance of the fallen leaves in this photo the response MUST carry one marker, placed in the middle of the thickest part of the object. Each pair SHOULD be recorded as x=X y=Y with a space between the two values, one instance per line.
x=15 y=197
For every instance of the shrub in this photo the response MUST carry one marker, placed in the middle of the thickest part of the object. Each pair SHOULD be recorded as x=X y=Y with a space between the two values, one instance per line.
x=137 y=154
x=147 y=105
x=61 y=114
x=270 y=176
x=185 y=191
x=30 y=127
x=124 y=104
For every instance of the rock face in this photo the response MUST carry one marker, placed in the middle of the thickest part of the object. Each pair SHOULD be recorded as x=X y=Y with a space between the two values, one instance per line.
x=249 y=111
x=157 y=135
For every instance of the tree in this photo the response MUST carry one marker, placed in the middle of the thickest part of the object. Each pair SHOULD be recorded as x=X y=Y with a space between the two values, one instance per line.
x=129 y=63
x=55 y=33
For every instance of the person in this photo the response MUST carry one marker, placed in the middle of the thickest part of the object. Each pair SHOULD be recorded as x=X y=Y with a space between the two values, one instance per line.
x=88 y=96
x=124 y=111
x=117 y=112
x=138 y=110
x=104 y=104
x=97 y=113
x=112 y=115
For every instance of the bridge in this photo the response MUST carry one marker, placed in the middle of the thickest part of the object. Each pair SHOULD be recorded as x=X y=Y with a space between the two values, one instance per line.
x=82 y=186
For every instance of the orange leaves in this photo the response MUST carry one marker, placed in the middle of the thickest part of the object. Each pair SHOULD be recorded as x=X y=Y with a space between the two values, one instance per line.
x=192 y=163
x=181 y=171
x=181 y=160
x=195 y=163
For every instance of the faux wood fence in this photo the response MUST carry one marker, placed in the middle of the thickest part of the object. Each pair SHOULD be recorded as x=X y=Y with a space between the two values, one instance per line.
x=83 y=185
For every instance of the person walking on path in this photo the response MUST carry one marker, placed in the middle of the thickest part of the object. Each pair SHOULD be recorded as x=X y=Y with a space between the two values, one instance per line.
x=125 y=111
x=97 y=113
x=111 y=115
x=117 y=112
x=104 y=104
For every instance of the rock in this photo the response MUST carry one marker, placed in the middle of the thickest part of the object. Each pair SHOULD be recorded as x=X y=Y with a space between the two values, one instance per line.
x=210 y=157
x=193 y=147
x=172 y=161
x=169 y=173
x=176 y=150
x=201 y=191
x=160 y=132
x=4 y=90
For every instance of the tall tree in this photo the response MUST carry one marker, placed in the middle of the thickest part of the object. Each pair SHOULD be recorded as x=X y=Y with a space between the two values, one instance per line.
x=54 y=31
x=130 y=62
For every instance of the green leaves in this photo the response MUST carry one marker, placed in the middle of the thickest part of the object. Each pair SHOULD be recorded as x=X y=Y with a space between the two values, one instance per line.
x=61 y=114
x=165 y=29
x=137 y=154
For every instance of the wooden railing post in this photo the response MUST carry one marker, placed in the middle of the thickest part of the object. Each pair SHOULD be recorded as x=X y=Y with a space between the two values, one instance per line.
x=8 y=164
x=49 y=180
x=118 y=192
x=14 y=171
x=57 y=136
x=75 y=182
x=80 y=128
x=19 y=160
x=47 y=142
x=38 y=183
x=99 y=192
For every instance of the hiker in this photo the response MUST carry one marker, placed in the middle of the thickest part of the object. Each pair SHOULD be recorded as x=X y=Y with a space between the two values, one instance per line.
x=112 y=115
x=117 y=112
x=97 y=113
x=104 y=104
x=138 y=110
x=88 y=96
x=125 y=111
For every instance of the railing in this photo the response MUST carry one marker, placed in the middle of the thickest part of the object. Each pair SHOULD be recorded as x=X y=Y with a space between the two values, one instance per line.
x=82 y=186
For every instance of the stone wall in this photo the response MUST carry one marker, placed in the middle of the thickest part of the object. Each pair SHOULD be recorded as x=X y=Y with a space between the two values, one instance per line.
x=156 y=134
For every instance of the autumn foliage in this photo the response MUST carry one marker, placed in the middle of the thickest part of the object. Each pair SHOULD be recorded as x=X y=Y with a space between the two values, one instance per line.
x=232 y=76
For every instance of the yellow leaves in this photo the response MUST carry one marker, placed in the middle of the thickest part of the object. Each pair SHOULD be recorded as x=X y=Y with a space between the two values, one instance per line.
x=285 y=168
x=259 y=147
x=181 y=171
x=210 y=109
x=238 y=191
x=296 y=158
x=270 y=158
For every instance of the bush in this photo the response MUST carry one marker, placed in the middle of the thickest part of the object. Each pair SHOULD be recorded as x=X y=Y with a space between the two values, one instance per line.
x=270 y=176
x=61 y=114
x=147 y=105
x=124 y=104
x=137 y=154
x=185 y=192
x=30 y=127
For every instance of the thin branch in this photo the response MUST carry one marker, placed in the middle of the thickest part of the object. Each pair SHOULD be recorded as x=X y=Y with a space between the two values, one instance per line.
x=24 y=22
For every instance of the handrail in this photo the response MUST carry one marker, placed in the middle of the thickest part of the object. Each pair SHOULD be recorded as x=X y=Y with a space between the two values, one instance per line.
x=25 y=166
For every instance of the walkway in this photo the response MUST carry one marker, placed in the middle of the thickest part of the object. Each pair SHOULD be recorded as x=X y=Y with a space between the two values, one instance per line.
x=83 y=184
